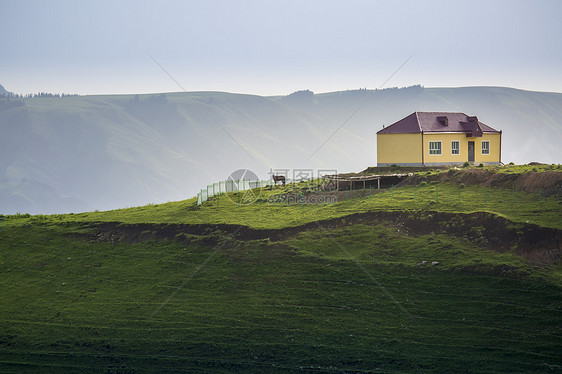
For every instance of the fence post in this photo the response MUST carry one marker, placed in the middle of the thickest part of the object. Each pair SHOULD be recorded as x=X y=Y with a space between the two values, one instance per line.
x=218 y=198
x=540 y=194
x=303 y=199
x=437 y=192
x=392 y=192
x=460 y=198
x=415 y=192
x=325 y=201
x=259 y=199
x=513 y=195
x=346 y=190
x=485 y=189
x=370 y=188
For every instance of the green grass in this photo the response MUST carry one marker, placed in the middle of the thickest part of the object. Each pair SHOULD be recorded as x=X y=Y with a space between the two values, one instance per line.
x=350 y=297
x=389 y=246
x=70 y=304
x=520 y=169
x=517 y=206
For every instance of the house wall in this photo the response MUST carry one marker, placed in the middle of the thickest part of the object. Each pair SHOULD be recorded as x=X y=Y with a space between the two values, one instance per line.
x=495 y=149
x=406 y=149
x=447 y=158
x=399 y=149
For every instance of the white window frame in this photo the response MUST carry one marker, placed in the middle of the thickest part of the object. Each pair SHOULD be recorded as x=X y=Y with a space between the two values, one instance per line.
x=458 y=149
x=487 y=148
x=440 y=148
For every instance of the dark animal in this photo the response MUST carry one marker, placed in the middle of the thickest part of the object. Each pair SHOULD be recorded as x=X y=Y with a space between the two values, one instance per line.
x=279 y=178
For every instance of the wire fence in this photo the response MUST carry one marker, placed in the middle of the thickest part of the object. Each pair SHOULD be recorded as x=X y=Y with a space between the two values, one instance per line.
x=229 y=185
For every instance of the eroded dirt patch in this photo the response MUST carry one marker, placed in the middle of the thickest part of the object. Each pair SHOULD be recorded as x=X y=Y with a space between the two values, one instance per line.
x=547 y=182
x=539 y=245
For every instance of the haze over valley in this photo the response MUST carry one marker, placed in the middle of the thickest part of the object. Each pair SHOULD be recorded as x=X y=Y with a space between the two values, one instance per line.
x=79 y=153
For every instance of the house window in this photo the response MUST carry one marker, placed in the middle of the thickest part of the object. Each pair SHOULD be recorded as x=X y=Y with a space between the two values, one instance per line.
x=434 y=148
x=455 y=147
x=485 y=147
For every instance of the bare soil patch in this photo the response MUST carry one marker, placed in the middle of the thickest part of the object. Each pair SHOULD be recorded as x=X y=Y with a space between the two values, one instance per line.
x=539 y=245
x=547 y=182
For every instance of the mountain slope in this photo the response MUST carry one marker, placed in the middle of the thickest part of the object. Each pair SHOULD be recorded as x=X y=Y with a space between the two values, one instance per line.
x=123 y=150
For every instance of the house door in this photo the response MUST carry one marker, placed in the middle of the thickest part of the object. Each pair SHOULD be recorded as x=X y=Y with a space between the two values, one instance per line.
x=470 y=151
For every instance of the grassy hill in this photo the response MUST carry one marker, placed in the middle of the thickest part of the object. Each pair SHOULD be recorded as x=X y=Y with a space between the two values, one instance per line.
x=113 y=151
x=250 y=282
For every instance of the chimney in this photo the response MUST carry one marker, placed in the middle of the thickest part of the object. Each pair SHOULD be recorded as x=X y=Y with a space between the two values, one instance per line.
x=443 y=120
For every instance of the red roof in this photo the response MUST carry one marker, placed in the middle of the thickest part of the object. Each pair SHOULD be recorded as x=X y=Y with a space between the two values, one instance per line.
x=438 y=122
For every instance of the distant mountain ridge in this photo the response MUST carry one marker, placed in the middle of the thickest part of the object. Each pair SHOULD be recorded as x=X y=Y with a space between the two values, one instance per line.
x=110 y=151
x=3 y=91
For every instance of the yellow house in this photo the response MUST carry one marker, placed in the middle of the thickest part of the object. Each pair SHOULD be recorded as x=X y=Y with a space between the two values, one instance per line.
x=438 y=138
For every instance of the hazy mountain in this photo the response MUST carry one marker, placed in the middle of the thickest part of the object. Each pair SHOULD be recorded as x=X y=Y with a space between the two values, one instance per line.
x=60 y=154
x=3 y=91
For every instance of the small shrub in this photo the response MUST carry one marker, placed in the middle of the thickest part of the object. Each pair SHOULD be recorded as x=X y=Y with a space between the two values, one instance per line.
x=461 y=185
x=511 y=163
x=466 y=164
x=481 y=165
x=423 y=183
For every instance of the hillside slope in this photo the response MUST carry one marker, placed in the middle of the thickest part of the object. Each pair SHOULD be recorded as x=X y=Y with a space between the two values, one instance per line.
x=102 y=152
x=428 y=277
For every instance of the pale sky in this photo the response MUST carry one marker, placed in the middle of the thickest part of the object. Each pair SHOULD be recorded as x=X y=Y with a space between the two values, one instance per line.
x=277 y=47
